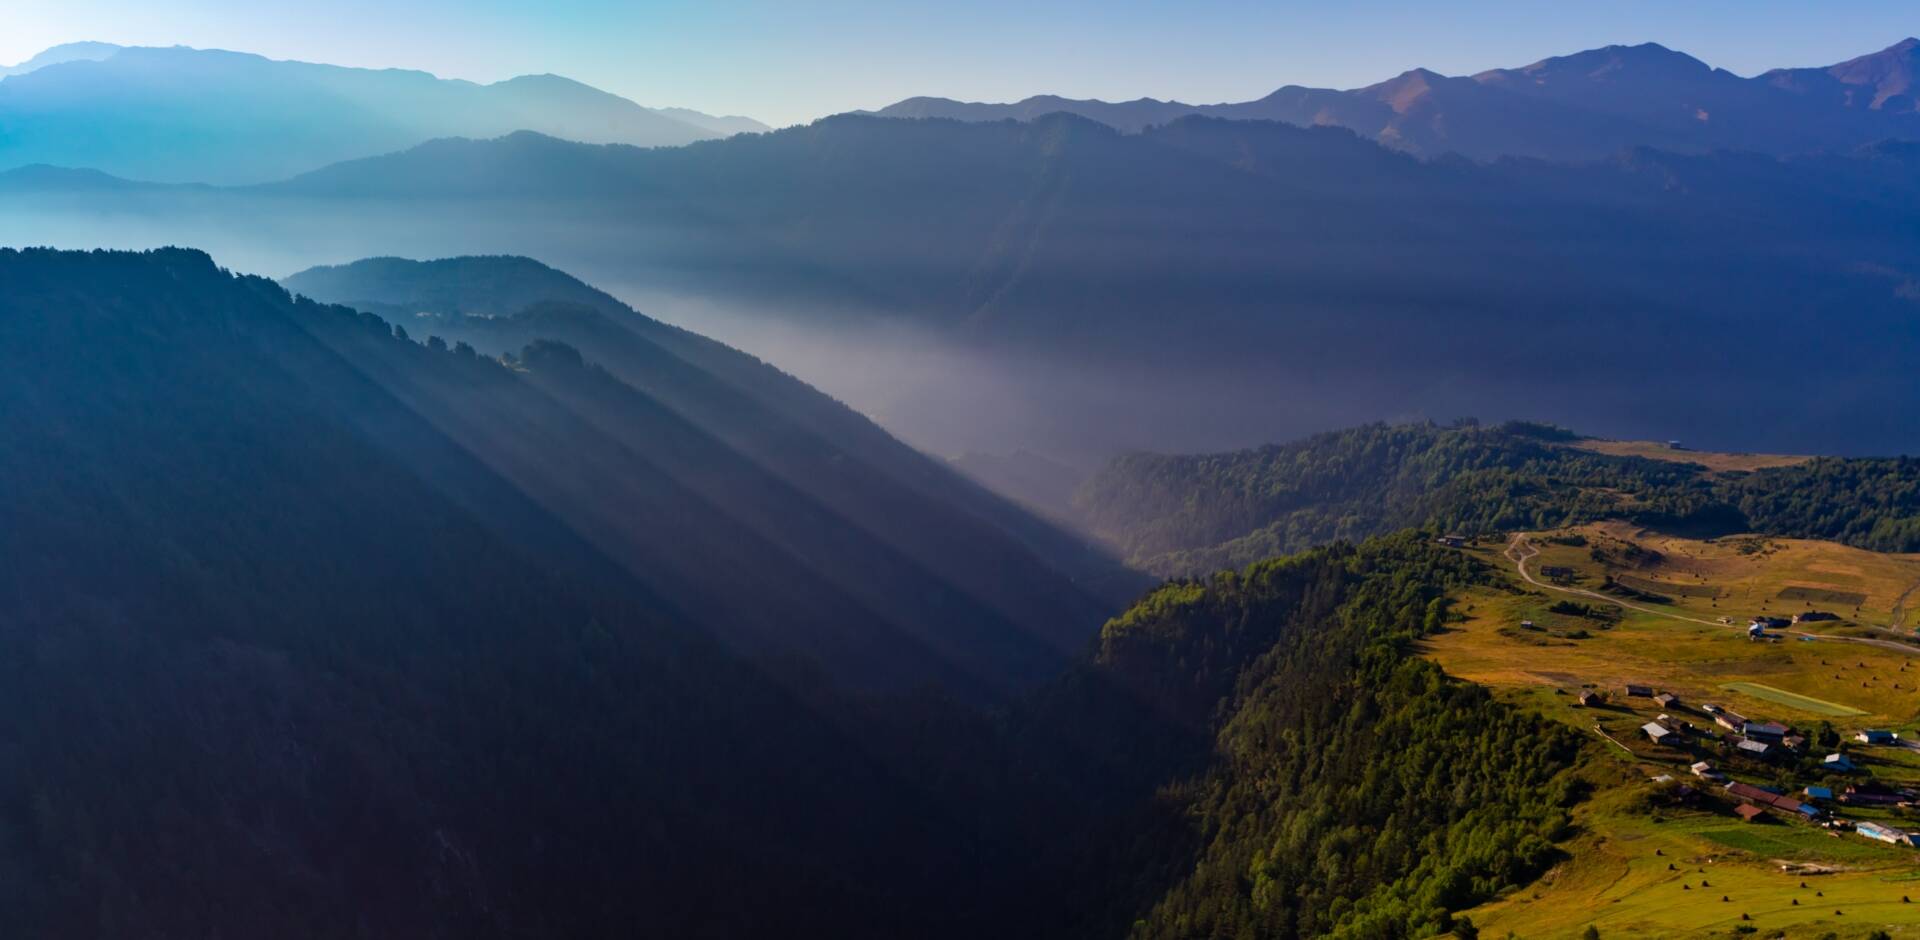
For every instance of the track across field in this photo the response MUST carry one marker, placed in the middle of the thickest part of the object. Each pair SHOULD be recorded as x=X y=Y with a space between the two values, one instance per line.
x=1791 y=699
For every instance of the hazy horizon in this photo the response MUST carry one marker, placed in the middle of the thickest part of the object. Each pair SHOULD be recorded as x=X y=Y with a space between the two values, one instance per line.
x=782 y=65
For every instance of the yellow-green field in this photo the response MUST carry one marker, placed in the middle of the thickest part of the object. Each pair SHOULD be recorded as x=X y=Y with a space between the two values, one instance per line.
x=1853 y=674
x=1791 y=700
x=1717 y=462
x=1743 y=576
x=1636 y=871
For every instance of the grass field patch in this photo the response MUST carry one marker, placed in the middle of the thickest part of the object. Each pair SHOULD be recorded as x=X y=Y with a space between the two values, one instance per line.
x=1667 y=587
x=1804 y=703
x=1823 y=596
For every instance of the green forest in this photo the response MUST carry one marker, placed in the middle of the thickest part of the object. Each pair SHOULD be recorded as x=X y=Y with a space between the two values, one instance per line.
x=1190 y=514
x=1355 y=790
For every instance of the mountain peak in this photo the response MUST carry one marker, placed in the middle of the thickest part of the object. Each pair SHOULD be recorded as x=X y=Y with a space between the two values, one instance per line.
x=1408 y=88
x=1612 y=60
x=65 y=52
x=1888 y=80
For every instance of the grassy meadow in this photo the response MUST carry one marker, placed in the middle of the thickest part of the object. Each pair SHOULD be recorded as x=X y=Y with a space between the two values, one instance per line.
x=1636 y=865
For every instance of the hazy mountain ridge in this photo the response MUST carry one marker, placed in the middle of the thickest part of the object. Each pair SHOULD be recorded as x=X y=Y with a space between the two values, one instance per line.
x=1335 y=241
x=192 y=115
x=65 y=52
x=1580 y=106
x=1311 y=278
x=814 y=443
x=724 y=125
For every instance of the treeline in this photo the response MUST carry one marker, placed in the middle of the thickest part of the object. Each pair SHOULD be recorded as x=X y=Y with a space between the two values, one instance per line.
x=1184 y=514
x=1357 y=791
x=1872 y=503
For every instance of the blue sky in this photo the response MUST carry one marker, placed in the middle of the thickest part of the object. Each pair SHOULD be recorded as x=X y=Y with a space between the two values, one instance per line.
x=792 y=61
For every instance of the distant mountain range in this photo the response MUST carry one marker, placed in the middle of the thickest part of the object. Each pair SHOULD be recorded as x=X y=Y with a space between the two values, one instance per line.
x=193 y=115
x=1581 y=106
x=190 y=115
x=65 y=52
x=1063 y=287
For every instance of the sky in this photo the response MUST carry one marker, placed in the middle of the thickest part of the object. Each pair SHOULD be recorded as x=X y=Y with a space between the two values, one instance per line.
x=790 y=61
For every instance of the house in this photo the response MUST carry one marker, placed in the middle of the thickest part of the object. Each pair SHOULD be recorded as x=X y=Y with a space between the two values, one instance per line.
x=1760 y=796
x=1752 y=748
x=1729 y=720
x=1810 y=616
x=1756 y=630
x=1452 y=541
x=1794 y=742
x=1765 y=730
x=1666 y=700
x=1837 y=763
x=1870 y=794
x=1772 y=623
x=1748 y=812
x=1639 y=691
x=1876 y=736
x=1811 y=811
x=1711 y=709
x=1587 y=698
x=1705 y=771
x=1884 y=833
x=1659 y=734
x=1819 y=793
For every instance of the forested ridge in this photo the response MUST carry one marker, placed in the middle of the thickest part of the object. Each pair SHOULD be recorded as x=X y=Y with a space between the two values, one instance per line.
x=310 y=629
x=499 y=305
x=282 y=658
x=1354 y=790
x=1185 y=514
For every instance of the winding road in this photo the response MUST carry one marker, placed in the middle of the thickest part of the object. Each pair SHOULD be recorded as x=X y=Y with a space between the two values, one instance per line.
x=1521 y=550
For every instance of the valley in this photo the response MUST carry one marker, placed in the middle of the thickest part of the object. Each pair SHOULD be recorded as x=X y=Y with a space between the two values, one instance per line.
x=1435 y=498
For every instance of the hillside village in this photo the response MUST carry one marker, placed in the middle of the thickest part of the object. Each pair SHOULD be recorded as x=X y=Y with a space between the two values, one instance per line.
x=1753 y=708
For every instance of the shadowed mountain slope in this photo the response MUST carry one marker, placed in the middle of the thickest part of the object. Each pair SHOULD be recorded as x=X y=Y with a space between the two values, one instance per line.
x=790 y=430
x=298 y=644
